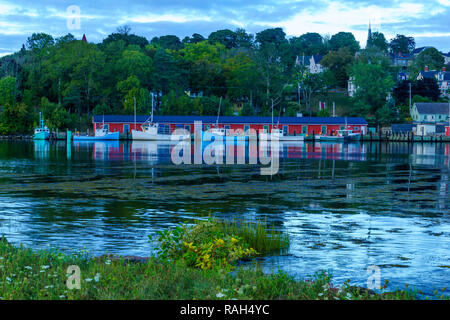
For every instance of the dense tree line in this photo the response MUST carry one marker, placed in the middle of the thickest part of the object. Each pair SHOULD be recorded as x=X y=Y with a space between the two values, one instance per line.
x=69 y=80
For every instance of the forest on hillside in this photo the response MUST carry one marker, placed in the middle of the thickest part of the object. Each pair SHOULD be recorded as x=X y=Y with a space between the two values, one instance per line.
x=68 y=80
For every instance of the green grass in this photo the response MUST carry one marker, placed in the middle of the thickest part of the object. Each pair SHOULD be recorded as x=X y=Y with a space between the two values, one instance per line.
x=259 y=235
x=30 y=275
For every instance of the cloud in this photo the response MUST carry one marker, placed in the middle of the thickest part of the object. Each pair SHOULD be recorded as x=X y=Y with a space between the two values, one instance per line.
x=421 y=19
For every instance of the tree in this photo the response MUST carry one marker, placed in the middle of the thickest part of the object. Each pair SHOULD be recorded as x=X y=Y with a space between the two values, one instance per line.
x=226 y=37
x=427 y=88
x=204 y=62
x=168 y=42
x=16 y=118
x=310 y=43
x=123 y=33
x=243 y=39
x=39 y=41
x=344 y=39
x=430 y=58
x=275 y=36
x=8 y=91
x=196 y=38
x=373 y=84
x=338 y=64
x=134 y=62
x=378 y=41
x=402 y=44
x=242 y=78
x=167 y=75
x=310 y=84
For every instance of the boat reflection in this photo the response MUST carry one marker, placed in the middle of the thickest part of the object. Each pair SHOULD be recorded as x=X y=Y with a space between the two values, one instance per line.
x=41 y=149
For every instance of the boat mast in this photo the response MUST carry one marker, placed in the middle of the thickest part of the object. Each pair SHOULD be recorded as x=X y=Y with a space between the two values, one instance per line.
x=152 y=108
x=272 y=114
x=218 y=114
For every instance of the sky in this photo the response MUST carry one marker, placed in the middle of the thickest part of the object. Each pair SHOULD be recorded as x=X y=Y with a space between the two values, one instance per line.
x=428 y=21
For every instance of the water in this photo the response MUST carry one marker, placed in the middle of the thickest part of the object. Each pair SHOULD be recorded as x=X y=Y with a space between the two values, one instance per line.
x=345 y=206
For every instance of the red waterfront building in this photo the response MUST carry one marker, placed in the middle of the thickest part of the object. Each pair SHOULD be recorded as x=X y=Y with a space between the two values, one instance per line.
x=290 y=125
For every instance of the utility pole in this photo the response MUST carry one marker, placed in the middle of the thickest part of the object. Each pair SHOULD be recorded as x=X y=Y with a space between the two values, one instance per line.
x=410 y=98
x=334 y=109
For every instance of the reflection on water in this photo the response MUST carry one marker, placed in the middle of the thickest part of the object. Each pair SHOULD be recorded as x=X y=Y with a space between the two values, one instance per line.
x=346 y=206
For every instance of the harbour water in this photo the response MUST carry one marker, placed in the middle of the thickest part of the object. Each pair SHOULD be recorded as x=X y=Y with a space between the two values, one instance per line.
x=345 y=206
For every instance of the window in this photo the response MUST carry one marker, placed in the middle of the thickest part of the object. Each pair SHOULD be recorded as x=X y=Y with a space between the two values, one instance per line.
x=285 y=130
x=187 y=128
x=126 y=128
x=164 y=129
x=266 y=129
x=246 y=128
x=324 y=129
x=106 y=127
x=342 y=128
x=227 y=127
x=305 y=129
x=356 y=128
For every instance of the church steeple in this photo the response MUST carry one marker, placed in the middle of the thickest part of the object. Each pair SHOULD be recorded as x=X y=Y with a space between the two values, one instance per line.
x=369 y=36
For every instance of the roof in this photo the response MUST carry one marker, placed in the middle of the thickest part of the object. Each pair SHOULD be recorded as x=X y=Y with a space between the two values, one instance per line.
x=402 y=127
x=419 y=50
x=317 y=59
x=432 y=108
x=232 y=119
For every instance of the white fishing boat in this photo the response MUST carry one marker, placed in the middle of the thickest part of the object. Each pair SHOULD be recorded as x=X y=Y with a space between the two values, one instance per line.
x=280 y=136
x=213 y=134
x=150 y=130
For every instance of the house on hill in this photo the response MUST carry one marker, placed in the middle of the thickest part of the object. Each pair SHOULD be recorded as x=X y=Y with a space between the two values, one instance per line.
x=430 y=112
x=312 y=63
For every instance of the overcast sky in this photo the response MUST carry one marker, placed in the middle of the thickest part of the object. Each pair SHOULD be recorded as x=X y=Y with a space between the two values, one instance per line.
x=428 y=21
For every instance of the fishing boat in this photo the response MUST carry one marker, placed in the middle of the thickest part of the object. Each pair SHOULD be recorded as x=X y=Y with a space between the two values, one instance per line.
x=280 y=136
x=342 y=136
x=150 y=130
x=41 y=132
x=100 y=134
x=213 y=134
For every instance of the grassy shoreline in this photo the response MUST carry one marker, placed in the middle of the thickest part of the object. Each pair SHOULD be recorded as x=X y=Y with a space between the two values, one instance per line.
x=195 y=262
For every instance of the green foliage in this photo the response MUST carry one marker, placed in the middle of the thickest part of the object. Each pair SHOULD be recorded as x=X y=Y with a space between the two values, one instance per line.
x=213 y=244
x=8 y=91
x=56 y=117
x=16 y=118
x=205 y=245
x=430 y=58
x=323 y=113
x=378 y=41
x=42 y=275
x=338 y=63
x=402 y=44
x=344 y=40
x=373 y=84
